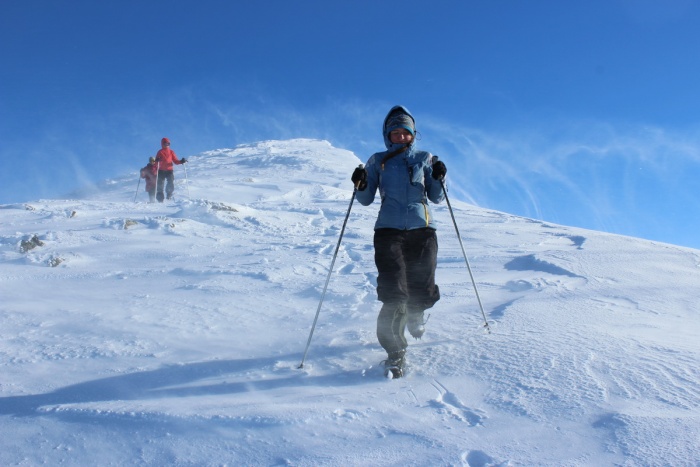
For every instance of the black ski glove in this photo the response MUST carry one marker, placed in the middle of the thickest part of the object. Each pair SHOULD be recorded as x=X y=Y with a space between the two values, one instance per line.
x=439 y=170
x=359 y=178
x=183 y=161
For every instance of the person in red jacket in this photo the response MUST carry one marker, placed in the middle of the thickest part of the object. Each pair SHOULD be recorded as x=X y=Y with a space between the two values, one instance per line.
x=165 y=158
x=150 y=173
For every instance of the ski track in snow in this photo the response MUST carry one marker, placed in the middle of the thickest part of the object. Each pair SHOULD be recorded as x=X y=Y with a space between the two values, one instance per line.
x=170 y=334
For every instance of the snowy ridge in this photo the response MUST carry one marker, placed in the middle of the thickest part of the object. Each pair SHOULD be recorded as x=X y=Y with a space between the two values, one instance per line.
x=170 y=334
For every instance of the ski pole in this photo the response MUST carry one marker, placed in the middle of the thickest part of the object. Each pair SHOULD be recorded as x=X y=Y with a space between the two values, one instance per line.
x=137 y=189
x=157 y=175
x=184 y=166
x=466 y=260
x=330 y=271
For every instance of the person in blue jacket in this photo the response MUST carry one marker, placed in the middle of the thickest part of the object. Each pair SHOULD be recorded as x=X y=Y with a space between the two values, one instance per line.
x=405 y=242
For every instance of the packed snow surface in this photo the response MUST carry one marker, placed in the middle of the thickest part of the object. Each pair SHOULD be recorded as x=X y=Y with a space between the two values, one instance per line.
x=171 y=334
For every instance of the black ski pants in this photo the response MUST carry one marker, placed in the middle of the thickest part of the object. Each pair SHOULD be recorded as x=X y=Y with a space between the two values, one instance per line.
x=406 y=262
x=163 y=176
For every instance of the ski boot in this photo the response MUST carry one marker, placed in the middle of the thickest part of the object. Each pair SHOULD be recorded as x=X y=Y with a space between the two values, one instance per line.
x=394 y=365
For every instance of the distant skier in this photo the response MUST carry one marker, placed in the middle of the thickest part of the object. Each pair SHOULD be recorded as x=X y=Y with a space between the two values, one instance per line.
x=165 y=158
x=405 y=241
x=150 y=173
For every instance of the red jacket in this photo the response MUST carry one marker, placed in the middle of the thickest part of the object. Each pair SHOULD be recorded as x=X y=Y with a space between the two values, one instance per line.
x=166 y=157
x=150 y=173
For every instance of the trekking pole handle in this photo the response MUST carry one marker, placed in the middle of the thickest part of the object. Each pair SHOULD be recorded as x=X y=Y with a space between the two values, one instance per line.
x=435 y=159
x=361 y=166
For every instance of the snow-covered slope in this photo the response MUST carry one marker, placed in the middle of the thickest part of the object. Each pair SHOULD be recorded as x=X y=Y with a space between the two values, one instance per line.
x=170 y=334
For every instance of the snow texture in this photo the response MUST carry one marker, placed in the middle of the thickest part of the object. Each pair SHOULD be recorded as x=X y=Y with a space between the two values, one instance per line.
x=171 y=334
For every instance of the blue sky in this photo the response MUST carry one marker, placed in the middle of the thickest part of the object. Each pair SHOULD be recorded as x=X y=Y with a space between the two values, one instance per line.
x=578 y=113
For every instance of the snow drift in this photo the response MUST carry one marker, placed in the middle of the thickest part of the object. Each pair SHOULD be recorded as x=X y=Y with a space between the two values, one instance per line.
x=170 y=334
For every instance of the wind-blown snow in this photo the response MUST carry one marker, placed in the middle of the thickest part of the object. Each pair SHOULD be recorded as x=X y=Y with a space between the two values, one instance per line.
x=170 y=334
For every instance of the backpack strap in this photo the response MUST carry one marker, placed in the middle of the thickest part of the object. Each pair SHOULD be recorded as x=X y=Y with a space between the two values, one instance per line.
x=393 y=153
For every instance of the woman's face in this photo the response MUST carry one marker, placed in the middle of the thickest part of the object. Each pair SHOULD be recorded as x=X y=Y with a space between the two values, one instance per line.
x=400 y=135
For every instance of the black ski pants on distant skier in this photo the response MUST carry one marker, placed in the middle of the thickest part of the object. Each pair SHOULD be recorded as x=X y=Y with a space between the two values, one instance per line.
x=406 y=261
x=163 y=177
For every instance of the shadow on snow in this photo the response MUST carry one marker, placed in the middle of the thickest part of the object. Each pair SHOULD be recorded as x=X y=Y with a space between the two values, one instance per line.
x=164 y=382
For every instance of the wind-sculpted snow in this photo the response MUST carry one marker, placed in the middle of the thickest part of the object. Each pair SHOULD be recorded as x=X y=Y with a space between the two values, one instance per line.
x=531 y=263
x=170 y=334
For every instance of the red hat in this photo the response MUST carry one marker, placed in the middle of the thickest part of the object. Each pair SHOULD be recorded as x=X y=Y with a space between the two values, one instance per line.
x=165 y=141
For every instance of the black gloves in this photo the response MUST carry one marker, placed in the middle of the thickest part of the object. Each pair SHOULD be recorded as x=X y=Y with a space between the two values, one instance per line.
x=439 y=170
x=183 y=161
x=359 y=178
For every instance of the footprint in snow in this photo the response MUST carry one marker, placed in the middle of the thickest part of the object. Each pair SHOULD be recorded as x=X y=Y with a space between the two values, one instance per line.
x=353 y=255
x=447 y=402
x=480 y=459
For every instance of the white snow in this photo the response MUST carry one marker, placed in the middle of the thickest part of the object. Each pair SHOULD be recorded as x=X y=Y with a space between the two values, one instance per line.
x=171 y=334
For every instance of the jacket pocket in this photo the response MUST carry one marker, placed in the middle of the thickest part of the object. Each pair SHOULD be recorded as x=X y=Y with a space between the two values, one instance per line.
x=416 y=174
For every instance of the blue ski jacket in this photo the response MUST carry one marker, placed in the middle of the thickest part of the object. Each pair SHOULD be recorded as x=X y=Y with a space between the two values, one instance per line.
x=405 y=184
